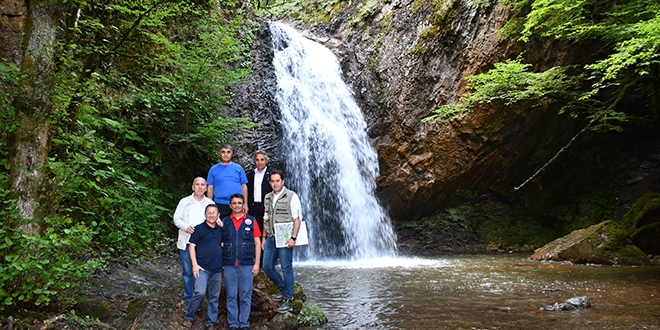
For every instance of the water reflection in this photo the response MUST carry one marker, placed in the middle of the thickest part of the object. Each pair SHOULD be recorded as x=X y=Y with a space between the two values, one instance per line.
x=481 y=292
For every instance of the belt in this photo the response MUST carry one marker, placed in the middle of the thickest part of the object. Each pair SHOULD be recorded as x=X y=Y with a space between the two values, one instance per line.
x=256 y=203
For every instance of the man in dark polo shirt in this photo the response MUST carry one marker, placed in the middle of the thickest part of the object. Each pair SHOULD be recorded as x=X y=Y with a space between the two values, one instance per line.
x=206 y=257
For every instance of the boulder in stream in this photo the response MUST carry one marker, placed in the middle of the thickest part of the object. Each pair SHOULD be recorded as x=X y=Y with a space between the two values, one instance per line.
x=569 y=305
x=604 y=243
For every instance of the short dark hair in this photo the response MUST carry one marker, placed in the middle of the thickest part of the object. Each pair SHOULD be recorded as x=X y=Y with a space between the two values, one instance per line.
x=209 y=206
x=226 y=146
x=237 y=195
x=278 y=172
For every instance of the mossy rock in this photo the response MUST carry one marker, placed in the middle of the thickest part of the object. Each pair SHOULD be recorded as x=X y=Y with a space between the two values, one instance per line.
x=642 y=222
x=604 y=243
x=284 y=321
x=299 y=298
x=94 y=308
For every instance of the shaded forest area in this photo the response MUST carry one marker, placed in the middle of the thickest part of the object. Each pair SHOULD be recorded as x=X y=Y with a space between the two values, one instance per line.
x=109 y=109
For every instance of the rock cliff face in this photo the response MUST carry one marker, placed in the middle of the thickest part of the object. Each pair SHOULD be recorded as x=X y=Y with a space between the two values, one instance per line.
x=12 y=16
x=402 y=75
x=405 y=58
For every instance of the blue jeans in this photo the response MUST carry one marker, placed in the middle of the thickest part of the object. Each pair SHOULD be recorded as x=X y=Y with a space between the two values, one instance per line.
x=271 y=254
x=212 y=282
x=187 y=275
x=238 y=288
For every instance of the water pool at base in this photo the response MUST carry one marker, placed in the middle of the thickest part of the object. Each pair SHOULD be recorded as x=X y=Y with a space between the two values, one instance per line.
x=479 y=292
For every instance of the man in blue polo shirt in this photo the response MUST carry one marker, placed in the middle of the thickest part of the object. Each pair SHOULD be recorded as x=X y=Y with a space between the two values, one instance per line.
x=206 y=256
x=225 y=179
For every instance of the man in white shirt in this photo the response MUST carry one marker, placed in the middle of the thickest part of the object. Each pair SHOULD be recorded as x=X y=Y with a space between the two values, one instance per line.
x=188 y=214
x=258 y=187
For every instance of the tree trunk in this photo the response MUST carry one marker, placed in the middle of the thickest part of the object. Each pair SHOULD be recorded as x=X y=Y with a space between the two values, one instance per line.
x=30 y=143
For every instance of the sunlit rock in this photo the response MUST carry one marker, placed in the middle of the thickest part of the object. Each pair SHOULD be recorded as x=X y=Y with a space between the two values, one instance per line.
x=604 y=243
x=569 y=305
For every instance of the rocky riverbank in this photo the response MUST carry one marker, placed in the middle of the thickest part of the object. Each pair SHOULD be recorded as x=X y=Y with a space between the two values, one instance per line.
x=149 y=295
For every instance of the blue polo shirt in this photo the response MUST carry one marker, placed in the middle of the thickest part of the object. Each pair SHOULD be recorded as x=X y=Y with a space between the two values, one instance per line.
x=226 y=181
x=207 y=246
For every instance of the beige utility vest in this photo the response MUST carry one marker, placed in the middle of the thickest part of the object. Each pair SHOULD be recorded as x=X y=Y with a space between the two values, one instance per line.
x=281 y=212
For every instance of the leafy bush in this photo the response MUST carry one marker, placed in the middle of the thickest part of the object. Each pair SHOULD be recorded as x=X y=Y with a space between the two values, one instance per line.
x=42 y=270
x=511 y=82
x=311 y=315
x=52 y=267
x=149 y=123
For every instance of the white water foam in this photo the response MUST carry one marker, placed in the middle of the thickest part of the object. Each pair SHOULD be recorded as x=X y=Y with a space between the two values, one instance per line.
x=384 y=262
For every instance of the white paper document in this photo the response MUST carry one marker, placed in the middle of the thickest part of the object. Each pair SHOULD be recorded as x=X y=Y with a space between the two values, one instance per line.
x=283 y=232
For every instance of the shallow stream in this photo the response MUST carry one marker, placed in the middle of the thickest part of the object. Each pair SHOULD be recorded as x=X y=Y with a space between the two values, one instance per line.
x=479 y=292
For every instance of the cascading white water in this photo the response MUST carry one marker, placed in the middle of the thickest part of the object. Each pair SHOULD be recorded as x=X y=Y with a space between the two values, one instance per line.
x=329 y=161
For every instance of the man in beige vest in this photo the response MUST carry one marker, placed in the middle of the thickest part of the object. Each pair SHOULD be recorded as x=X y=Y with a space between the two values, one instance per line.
x=281 y=206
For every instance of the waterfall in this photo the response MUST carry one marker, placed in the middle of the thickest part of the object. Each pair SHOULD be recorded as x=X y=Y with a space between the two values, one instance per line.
x=329 y=161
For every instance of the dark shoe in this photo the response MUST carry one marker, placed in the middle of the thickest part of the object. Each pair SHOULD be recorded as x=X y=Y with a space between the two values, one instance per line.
x=278 y=296
x=187 y=323
x=233 y=328
x=185 y=307
x=285 y=307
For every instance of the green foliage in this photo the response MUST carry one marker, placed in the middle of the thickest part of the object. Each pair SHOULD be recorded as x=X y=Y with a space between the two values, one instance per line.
x=42 y=269
x=440 y=20
x=137 y=111
x=627 y=68
x=83 y=322
x=508 y=227
x=367 y=10
x=309 y=11
x=311 y=315
x=503 y=226
x=511 y=82
x=424 y=226
x=452 y=219
x=9 y=77
x=148 y=120
x=441 y=17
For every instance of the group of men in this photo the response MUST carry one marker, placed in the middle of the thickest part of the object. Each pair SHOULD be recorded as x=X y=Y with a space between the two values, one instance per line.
x=225 y=232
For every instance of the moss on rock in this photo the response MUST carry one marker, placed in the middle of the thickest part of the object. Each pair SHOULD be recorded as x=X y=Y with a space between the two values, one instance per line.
x=642 y=222
x=94 y=308
x=604 y=243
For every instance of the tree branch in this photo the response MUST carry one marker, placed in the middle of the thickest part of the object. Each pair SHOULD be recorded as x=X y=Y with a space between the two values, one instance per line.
x=557 y=154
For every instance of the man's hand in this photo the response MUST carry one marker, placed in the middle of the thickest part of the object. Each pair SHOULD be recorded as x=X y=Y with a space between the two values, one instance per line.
x=290 y=244
x=196 y=269
x=255 y=269
x=190 y=229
